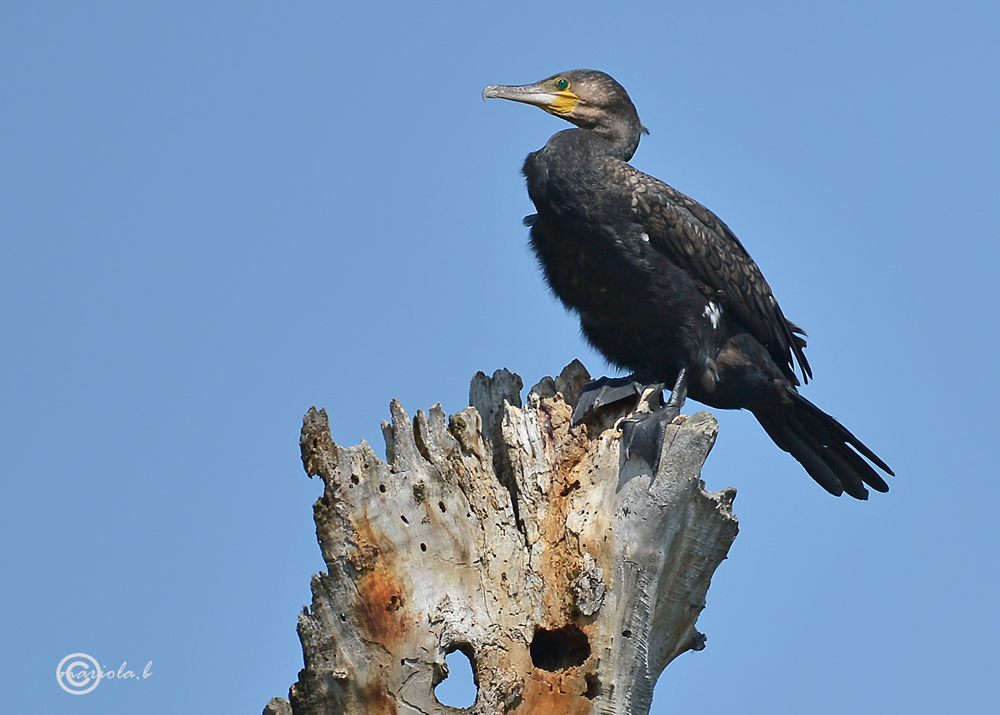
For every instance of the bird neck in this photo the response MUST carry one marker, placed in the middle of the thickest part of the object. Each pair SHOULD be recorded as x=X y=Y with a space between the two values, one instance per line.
x=619 y=136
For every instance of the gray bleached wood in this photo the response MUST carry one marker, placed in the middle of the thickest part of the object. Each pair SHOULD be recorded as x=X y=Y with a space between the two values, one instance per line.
x=570 y=576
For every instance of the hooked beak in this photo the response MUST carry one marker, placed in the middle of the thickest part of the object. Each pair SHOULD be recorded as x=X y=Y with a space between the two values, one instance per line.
x=558 y=102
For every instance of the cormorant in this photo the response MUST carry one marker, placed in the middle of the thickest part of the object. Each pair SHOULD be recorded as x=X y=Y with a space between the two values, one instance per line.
x=663 y=288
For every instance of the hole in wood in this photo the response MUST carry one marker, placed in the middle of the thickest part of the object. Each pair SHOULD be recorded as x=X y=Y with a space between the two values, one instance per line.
x=559 y=649
x=593 y=686
x=458 y=687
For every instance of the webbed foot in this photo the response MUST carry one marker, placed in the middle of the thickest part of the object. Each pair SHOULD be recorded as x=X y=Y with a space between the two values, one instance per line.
x=605 y=391
x=642 y=433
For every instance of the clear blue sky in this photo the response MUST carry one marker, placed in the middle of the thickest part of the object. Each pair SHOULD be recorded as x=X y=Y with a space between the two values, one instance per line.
x=214 y=215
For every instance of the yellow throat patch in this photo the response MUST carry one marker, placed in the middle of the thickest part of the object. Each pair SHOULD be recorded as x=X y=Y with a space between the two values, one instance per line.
x=562 y=103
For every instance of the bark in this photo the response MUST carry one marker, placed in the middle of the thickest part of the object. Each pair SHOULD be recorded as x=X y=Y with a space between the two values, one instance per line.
x=569 y=575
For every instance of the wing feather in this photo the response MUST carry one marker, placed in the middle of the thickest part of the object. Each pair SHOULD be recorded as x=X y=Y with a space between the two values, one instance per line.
x=698 y=241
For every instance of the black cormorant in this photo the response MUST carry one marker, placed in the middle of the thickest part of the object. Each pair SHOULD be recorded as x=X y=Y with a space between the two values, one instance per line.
x=663 y=288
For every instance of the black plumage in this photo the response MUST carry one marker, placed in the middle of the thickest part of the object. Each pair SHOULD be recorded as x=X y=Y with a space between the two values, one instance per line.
x=662 y=286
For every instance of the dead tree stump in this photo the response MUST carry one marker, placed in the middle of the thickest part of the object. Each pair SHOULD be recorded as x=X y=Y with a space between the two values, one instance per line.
x=568 y=575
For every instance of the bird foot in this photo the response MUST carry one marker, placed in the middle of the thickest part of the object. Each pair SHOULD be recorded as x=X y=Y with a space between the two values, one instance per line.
x=606 y=391
x=642 y=433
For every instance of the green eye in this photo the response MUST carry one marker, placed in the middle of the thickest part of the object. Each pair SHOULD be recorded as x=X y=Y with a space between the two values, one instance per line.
x=562 y=84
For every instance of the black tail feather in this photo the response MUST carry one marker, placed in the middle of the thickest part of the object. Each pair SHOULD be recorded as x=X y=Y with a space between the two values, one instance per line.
x=786 y=439
x=842 y=433
x=868 y=475
x=824 y=447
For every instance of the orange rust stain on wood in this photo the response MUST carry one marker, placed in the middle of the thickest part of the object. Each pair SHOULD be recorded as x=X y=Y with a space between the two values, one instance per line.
x=555 y=694
x=380 y=603
x=563 y=560
x=377 y=701
x=381 y=598
x=572 y=442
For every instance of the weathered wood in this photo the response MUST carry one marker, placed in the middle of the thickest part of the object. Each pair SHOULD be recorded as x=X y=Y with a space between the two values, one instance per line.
x=570 y=576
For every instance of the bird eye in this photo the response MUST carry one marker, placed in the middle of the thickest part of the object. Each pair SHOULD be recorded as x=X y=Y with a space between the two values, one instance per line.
x=562 y=84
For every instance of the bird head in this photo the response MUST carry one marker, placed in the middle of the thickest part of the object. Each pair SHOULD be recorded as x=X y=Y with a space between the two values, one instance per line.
x=587 y=98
